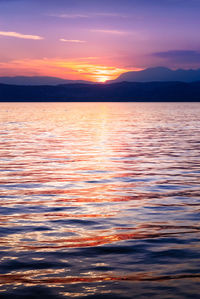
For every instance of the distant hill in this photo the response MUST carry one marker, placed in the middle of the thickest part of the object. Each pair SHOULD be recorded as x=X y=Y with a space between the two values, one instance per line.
x=123 y=91
x=159 y=74
x=38 y=80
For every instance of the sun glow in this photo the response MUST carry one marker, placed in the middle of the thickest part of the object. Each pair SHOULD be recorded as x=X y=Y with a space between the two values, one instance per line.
x=74 y=69
x=103 y=79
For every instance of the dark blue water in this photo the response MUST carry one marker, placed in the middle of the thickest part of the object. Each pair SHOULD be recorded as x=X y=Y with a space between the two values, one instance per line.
x=99 y=200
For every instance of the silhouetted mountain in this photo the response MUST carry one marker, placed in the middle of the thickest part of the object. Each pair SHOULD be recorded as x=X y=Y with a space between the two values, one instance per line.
x=159 y=74
x=124 y=91
x=38 y=80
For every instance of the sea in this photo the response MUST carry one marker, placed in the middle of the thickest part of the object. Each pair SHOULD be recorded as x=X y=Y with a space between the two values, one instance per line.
x=99 y=200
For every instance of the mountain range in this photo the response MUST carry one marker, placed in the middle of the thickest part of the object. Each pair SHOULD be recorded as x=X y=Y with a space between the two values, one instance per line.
x=39 y=80
x=159 y=74
x=153 y=84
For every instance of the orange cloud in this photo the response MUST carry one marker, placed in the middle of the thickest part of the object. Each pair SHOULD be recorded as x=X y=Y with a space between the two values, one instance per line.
x=70 y=69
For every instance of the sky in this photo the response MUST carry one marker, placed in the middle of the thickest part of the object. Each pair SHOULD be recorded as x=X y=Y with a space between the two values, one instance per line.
x=97 y=40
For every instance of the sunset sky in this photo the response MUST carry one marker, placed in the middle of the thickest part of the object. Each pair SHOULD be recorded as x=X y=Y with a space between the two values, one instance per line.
x=97 y=40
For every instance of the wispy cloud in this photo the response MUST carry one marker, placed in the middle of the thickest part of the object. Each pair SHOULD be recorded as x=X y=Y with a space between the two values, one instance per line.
x=107 y=31
x=90 y=15
x=72 y=40
x=20 y=35
x=69 y=16
x=109 y=14
x=179 y=55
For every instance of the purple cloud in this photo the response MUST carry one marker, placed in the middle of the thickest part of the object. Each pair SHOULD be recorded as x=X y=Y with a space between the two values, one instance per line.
x=180 y=56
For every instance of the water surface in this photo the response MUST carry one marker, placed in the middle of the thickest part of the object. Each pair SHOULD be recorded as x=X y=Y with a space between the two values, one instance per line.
x=99 y=200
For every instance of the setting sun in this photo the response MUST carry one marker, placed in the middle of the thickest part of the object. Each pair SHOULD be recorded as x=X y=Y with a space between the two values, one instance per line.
x=103 y=79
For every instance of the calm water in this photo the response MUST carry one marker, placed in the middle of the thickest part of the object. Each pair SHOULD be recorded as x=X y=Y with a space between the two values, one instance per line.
x=99 y=200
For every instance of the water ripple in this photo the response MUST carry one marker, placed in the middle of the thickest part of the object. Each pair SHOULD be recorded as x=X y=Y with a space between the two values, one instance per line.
x=99 y=199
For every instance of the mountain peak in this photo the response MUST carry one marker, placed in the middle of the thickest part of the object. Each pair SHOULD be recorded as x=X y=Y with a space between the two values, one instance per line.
x=160 y=73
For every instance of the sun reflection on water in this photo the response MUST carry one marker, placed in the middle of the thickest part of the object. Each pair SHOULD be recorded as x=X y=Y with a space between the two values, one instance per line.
x=97 y=193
